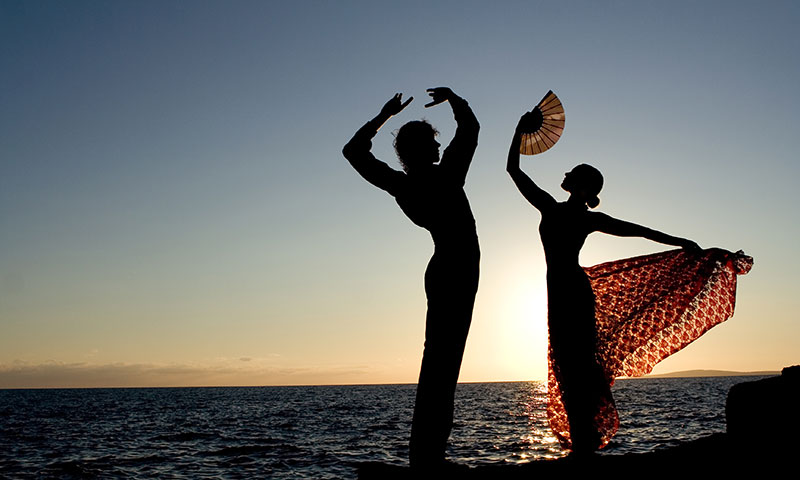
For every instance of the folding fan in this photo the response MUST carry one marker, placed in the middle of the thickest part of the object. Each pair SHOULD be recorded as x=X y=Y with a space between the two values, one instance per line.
x=542 y=126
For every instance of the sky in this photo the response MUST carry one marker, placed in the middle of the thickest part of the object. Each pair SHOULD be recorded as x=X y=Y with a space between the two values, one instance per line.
x=175 y=209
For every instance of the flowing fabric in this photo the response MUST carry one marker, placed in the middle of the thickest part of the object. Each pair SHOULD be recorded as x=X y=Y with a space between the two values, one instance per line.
x=646 y=309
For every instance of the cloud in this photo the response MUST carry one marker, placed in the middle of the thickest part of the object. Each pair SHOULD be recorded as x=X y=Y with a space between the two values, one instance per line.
x=87 y=375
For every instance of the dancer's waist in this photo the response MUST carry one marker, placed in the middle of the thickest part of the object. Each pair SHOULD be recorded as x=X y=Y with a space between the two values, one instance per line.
x=460 y=238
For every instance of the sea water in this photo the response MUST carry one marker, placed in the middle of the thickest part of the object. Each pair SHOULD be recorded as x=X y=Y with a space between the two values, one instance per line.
x=315 y=432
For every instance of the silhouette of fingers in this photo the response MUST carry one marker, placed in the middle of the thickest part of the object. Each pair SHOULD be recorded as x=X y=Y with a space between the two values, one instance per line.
x=443 y=90
x=438 y=95
x=435 y=101
x=395 y=104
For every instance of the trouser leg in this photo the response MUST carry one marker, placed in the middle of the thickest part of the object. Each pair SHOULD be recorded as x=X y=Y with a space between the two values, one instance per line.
x=441 y=362
x=450 y=286
x=446 y=327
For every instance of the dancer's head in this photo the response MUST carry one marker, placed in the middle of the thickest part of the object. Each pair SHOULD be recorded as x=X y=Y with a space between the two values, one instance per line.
x=584 y=182
x=416 y=145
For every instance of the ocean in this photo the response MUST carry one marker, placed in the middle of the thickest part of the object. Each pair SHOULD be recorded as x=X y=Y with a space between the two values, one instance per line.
x=317 y=432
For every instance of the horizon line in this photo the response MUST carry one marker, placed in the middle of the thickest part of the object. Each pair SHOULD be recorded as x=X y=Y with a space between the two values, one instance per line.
x=696 y=373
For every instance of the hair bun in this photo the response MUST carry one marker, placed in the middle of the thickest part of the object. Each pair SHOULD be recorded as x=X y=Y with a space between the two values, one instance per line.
x=593 y=202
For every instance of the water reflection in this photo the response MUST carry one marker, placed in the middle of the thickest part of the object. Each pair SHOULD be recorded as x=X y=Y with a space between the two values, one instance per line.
x=315 y=432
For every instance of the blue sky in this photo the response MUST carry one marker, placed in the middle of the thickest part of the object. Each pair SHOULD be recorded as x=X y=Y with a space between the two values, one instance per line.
x=173 y=195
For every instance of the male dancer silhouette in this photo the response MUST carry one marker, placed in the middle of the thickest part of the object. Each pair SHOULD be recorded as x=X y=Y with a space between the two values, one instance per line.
x=431 y=193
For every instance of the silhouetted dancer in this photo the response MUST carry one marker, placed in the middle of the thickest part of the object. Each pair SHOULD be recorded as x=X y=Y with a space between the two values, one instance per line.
x=570 y=299
x=432 y=195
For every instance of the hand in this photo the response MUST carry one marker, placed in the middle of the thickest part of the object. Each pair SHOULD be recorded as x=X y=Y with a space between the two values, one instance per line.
x=395 y=105
x=439 y=95
x=525 y=119
x=690 y=245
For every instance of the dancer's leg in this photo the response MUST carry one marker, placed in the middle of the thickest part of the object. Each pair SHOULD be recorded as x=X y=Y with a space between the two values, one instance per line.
x=450 y=302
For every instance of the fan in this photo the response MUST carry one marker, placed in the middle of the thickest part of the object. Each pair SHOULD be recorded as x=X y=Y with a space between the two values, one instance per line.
x=542 y=126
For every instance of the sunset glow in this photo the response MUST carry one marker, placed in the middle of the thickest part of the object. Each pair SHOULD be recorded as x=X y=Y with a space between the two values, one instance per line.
x=175 y=208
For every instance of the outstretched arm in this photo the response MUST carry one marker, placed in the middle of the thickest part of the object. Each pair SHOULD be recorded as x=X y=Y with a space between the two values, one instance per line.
x=538 y=197
x=621 y=228
x=458 y=155
x=357 y=151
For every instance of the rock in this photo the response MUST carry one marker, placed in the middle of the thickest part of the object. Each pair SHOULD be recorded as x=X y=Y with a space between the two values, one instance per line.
x=766 y=412
x=714 y=456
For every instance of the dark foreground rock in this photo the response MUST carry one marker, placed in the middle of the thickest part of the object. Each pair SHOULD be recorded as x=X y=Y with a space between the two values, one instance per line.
x=767 y=408
x=715 y=456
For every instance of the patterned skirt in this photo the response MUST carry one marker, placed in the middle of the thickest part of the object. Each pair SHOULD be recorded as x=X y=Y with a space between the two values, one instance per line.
x=646 y=309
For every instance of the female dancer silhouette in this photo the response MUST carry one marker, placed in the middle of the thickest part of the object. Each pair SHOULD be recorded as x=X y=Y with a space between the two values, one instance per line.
x=585 y=390
x=432 y=195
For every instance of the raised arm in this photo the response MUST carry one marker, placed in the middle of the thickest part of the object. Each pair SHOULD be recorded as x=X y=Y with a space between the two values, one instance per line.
x=357 y=151
x=621 y=228
x=458 y=155
x=538 y=197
